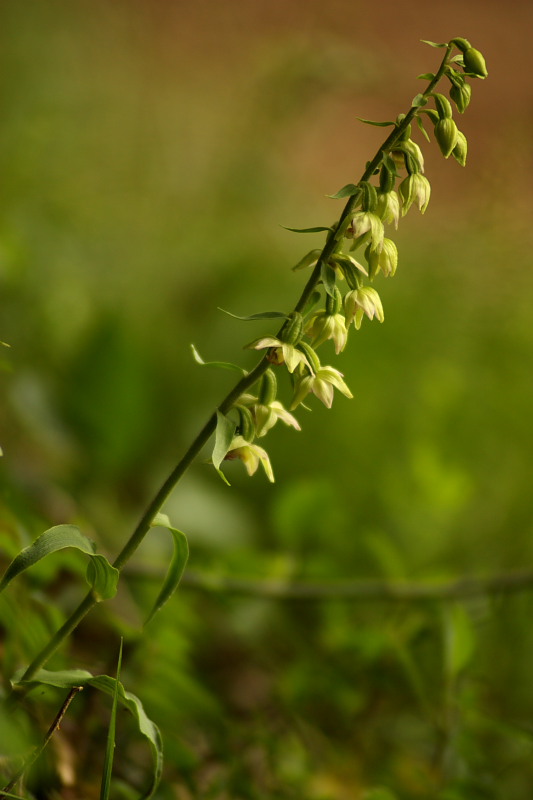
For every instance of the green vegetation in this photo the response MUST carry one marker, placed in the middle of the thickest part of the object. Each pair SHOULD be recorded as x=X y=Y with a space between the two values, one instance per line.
x=312 y=650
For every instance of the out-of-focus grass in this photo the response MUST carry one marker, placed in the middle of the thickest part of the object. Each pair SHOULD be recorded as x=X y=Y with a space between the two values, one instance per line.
x=141 y=190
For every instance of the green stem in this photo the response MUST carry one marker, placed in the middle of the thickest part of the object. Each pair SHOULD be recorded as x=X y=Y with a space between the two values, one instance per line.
x=245 y=383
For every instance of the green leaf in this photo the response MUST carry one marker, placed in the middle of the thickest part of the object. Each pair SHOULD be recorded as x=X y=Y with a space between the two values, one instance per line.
x=376 y=124
x=223 y=437
x=102 y=577
x=307 y=260
x=347 y=191
x=56 y=538
x=426 y=76
x=221 y=364
x=177 y=564
x=319 y=229
x=110 y=745
x=66 y=679
x=261 y=315
x=421 y=126
x=434 y=44
x=328 y=276
x=418 y=101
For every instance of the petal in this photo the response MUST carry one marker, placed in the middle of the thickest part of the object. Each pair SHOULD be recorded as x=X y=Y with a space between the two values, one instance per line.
x=284 y=415
x=302 y=389
x=324 y=391
x=334 y=377
x=265 y=341
x=292 y=357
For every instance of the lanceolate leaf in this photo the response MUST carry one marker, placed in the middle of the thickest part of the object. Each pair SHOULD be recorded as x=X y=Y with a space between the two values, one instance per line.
x=307 y=260
x=347 y=191
x=419 y=100
x=177 y=565
x=328 y=279
x=223 y=436
x=66 y=679
x=319 y=229
x=377 y=124
x=421 y=126
x=426 y=76
x=261 y=315
x=102 y=577
x=434 y=44
x=110 y=746
x=56 y=538
x=221 y=364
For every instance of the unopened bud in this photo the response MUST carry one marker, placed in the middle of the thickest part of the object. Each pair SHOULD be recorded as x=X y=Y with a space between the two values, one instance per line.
x=442 y=104
x=293 y=329
x=334 y=303
x=246 y=427
x=461 y=95
x=312 y=358
x=387 y=179
x=461 y=148
x=267 y=388
x=446 y=135
x=370 y=197
x=475 y=63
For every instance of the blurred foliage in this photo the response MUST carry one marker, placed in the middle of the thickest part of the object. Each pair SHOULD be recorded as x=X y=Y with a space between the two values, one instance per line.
x=143 y=186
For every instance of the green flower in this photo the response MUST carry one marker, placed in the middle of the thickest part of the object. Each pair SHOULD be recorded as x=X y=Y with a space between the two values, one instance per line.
x=280 y=352
x=415 y=189
x=386 y=261
x=265 y=415
x=322 y=326
x=362 y=301
x=251 y=455
x=388 y=207
x=367 y=222
x=320 y=384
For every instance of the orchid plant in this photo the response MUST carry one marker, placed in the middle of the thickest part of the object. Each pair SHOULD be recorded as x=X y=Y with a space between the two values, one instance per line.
x=356 y=253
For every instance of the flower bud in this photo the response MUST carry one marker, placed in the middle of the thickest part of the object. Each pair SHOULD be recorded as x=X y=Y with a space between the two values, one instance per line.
x=311 y=357
x=387 y=179
x=446 y=135
x=442 y=104
x=246 y=426
x=475 y=63
x=268 y=388
x=292 y=331
x=407 y=132
x=461 y=95
x=334 y=304
x=370 y=197
x=460 y=150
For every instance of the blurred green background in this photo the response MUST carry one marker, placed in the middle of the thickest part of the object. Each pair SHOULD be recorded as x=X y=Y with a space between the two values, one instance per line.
x=150 y=152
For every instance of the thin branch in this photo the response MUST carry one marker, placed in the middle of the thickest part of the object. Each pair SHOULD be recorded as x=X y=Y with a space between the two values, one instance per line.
x=49 y=733
x=377 y=590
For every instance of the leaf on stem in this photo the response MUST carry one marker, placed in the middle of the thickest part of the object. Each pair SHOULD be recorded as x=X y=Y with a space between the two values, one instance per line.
x=426 y=76
x=220 y=364
x=66 y=679
x=105 y=785
x=434 y=44
x=421 y=126
x=177 y=564
x=418 y=101
x=319 y=229
x=223 y=438
x=327 y=273
x=386 y=124
x=101 y=575
x=347 y=191
x=253 y=317
x=309 y=258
